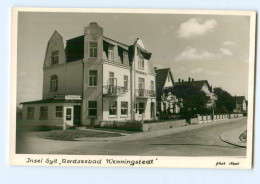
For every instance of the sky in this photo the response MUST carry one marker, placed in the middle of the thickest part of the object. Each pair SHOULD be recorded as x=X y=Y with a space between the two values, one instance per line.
x=203 y=47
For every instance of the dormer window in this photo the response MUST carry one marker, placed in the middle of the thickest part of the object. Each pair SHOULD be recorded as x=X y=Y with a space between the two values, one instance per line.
x=93 y=47
x=141 y=62
x=111 y=53
x=54 y=57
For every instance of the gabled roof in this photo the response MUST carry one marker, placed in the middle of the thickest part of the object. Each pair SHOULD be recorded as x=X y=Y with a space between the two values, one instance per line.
x=75 y=49
x=240 y=99
x=161 y=76
x=195 y=84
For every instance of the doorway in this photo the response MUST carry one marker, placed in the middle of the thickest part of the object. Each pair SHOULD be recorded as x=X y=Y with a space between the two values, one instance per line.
x=152 y=110
x=77 y=115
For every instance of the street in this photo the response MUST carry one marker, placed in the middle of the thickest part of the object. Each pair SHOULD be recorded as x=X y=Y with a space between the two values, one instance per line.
x=204 y=141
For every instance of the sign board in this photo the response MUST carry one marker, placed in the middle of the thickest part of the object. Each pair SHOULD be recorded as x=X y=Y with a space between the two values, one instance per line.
x=67 y=97
x=73 y=97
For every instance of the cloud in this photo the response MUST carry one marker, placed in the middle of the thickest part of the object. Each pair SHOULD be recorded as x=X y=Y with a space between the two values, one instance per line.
x=196 y=70
x=228 y=43
x=226 y=52
x=193 y=27
x=191 y=53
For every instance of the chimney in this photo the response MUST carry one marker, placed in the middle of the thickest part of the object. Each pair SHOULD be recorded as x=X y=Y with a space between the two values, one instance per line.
x=189 y=79
x=192 y=80
x=179 y=80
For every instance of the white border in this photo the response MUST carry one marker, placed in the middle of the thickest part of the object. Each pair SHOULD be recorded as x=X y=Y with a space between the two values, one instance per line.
x=180 y=162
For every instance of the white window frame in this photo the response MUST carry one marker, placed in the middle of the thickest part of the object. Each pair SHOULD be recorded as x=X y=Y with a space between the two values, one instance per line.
x=54 y=83
x=93 y=78
x=141 y=62
x=111 y=107
x=59 y=111
x=141 y=108
x=93 y=49
x=126 y=82
x=110 y=53
x=55 y=57
x=92 y=108
x=45 y=111
x=152 y=85
x=30 y=115
x=140 y=82
x=124 y=108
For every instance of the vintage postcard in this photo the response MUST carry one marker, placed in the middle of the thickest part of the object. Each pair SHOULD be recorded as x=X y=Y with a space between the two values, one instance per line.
x=132 y=88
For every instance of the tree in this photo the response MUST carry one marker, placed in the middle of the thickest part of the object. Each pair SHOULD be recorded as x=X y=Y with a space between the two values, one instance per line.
x=194 y=100
x=225 y=103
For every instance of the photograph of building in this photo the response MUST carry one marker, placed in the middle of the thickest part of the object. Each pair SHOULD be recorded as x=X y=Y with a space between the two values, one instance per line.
x=133 y=84
x=91 y=79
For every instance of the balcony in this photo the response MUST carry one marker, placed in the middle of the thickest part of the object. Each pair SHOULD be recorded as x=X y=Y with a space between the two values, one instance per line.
x=115 y=91
x=144 y=93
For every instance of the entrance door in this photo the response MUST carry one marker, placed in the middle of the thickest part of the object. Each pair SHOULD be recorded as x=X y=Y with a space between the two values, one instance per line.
x=152 y=110
x=68 y=115
x=77 y=115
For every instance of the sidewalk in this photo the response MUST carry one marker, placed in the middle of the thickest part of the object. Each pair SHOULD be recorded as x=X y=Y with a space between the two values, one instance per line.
x=232 y=136
x=145 y=135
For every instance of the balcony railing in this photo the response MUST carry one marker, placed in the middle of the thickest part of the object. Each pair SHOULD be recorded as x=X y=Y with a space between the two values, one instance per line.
x=111 y=90
x=145 y=93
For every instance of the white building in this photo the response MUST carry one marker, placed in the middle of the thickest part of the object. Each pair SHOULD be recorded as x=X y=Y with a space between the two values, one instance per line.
x=92 y=79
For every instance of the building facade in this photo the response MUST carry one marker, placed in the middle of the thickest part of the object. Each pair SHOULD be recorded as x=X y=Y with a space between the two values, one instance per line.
x=93 y=78
x=167 y=103
x=241 y=104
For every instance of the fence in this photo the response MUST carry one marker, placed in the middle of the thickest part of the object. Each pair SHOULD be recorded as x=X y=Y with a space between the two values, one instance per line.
x=215 y=117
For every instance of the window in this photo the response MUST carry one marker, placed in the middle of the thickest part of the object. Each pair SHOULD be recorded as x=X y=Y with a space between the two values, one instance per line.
x=111 y=80
x=92 y=77
x=152 y=86
x=125 y=81
x=43 y=112
x=30 y=113
x=141 y=107
x=141 y=83
x=113 y=108
x=124 y=108
x=92 y=108
x=111 y=53
x=141 y=62
x=55 y=57
x=54 y=83
x=93 y=49
x=59 y=111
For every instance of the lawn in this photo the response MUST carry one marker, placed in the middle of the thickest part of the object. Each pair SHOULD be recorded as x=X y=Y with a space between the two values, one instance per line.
x=70 y=135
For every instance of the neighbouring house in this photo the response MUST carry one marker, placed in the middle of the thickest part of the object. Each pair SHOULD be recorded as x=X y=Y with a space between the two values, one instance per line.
x=91 y=79
x=201 y=85
x=167 y=103
x=241 y=104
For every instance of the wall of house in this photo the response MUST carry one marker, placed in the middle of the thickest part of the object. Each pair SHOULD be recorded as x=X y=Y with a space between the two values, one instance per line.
x=70 y=76
x=55 y=44
x=147 y=86
x=167 y=82
x=119 y=72
x=52 y=120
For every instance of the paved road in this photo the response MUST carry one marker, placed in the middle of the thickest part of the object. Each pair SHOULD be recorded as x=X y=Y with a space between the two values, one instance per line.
x=200 y=142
